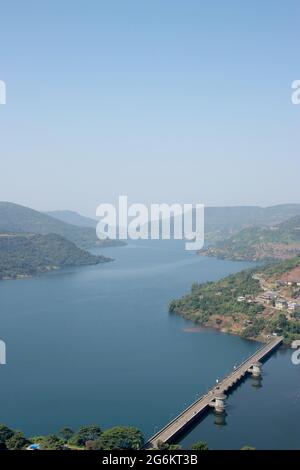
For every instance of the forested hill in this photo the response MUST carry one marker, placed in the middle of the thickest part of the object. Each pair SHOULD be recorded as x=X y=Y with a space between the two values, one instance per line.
x=222 y=222
x=23 y=255
x=17 y=218
x=74 y=218
x=281 y=241
x=255 y=303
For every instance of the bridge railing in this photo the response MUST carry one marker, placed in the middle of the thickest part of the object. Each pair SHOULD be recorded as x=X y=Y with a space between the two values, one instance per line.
x=253 y=356
x=169 y=424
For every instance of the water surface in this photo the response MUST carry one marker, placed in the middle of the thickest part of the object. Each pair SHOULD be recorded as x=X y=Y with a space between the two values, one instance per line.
x=97 y=345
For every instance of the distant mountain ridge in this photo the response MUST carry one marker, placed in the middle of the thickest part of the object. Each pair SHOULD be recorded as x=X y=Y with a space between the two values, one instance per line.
x=24 y=255
x=217 y=218
x=17 y=218
x=281 y=241
x=222 y=222
x=72 y=217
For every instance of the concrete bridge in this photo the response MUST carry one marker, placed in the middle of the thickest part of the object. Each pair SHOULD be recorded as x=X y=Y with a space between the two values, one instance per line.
x=215 y=398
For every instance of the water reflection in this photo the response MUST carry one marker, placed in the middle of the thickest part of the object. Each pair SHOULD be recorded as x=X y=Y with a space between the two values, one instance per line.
x=220 y=419
x=256 y=382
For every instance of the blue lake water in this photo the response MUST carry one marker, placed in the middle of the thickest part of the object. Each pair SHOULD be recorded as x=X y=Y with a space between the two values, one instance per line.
x=97 y=345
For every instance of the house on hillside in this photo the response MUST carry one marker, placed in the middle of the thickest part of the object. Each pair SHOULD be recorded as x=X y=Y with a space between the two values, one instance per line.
x=281 y=304
x=292 y=306
x=267 y=297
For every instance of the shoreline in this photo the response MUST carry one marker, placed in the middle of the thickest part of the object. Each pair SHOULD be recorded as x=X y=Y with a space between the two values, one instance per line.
x=258 y=339
x=53 y=270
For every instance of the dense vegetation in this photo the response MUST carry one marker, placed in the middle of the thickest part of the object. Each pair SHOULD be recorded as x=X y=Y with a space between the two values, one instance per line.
x=90 y=437
x=26 y=254
x=280 y=325
x=219 y=298
x=281 y=267
x=216 y=304
x=16 y=218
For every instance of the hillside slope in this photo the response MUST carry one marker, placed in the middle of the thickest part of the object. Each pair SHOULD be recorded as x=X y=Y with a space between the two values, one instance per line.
x=74 y=218
x=23 y=255
x=281 y=241
x=222 y=222
x=17 y=218
x=253 y=303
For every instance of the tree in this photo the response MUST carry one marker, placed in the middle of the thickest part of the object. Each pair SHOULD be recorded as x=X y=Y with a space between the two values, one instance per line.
x=52 y=442
x=120 y=438
x=282 y=321
x=17 y=442
x=248 y=448
x=200 y=446
x=66 y=433
x=162 y=445
x=5 y=433
x=37 y=439
x=84 y=434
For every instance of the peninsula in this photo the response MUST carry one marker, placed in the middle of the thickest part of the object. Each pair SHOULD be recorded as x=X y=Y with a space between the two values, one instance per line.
x=25 y=255
x=256 y=304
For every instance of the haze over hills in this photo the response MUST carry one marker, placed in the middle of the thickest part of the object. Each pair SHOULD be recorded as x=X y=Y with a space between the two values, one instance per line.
x=17 y=218
x=281 y=241
x=222 y=222
x=223 y=219
x=24 y=255
x=74 y=218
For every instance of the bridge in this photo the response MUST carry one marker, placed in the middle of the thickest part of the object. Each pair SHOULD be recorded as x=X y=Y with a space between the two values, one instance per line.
x=215 y=397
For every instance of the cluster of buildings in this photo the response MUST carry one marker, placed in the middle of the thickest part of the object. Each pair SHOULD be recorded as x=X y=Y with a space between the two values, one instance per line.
x=275 y=298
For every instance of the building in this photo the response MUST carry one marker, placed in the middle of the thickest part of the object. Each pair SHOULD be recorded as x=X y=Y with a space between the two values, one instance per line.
x=281 y=304
x=292 y=306
x=266 y=298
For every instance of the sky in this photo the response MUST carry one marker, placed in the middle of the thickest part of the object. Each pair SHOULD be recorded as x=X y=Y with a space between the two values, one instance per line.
x=160 y=100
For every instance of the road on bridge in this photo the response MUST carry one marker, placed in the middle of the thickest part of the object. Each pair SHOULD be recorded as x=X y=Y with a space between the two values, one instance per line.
x=182 y=421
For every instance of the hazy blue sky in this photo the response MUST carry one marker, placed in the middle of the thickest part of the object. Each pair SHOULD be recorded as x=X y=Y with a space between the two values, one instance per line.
x=174 y=101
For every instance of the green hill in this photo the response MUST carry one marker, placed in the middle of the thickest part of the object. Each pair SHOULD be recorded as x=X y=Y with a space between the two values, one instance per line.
x=281 y=241
x=23 y=255
x=74 y=218
x=17 y=218
x=245 y=303
x=223 y=222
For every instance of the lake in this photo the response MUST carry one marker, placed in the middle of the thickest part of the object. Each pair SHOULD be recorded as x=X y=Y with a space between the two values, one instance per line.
x=97 y=345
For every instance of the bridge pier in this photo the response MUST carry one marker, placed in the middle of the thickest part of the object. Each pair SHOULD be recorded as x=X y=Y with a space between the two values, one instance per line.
x=255 y=369
x=215 y=398
x=219 y=402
